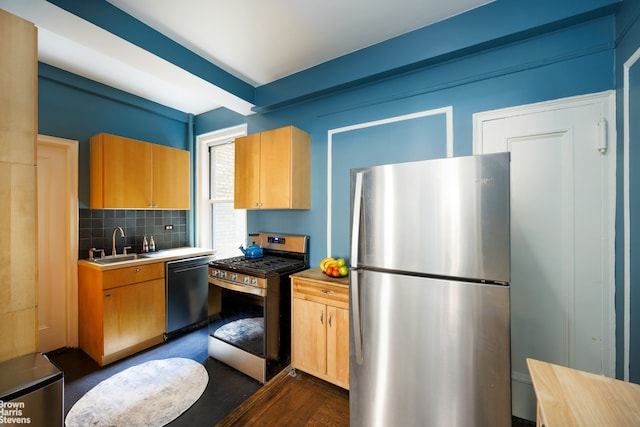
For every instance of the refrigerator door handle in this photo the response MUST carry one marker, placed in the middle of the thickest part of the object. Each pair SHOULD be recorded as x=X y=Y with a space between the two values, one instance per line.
x=355 y=312
x=353 y=285
x=355 y=223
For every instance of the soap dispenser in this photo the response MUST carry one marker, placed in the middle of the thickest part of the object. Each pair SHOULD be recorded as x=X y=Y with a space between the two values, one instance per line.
x=152 y=245
x=145 y=245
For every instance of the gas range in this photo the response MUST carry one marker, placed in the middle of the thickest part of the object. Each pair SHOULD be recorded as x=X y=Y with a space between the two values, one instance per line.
x=250 y=305
x=281 y=254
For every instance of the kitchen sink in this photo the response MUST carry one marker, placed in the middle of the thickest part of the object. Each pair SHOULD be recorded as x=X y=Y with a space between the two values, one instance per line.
x=116 y=258
x=153 y=254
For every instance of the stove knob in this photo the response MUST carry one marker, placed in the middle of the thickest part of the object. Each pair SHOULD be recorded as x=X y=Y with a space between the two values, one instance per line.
x=246 y=279
x=214 y=273
x=223 y=274
x=254 y=281
x=234 y=276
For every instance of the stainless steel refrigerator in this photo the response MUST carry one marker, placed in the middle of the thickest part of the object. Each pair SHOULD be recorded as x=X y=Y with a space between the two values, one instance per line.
x=429 y=293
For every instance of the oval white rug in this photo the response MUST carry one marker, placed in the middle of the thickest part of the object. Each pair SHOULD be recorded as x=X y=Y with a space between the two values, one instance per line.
x=150 y=394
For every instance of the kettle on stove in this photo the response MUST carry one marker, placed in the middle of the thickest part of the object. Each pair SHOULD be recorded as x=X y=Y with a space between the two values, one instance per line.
x=252 y=251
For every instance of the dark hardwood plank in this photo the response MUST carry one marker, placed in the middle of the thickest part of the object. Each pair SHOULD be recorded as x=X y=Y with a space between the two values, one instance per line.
x=293 y=400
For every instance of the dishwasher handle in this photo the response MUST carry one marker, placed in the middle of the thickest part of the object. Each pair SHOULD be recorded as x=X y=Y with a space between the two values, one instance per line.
x=177 y=270
x=180 y=265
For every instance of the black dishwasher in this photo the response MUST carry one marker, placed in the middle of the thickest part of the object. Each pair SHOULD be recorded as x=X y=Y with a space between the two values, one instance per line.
x=187 y=291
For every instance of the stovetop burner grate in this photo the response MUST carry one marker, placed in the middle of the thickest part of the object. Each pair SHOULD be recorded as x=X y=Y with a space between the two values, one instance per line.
x=263 y=265
x=282 y=253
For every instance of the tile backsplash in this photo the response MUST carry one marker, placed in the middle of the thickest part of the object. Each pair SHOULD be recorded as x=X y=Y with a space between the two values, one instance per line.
x=96 y=228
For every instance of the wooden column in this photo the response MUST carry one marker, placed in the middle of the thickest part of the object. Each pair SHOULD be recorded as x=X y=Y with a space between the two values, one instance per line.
x=18 y=215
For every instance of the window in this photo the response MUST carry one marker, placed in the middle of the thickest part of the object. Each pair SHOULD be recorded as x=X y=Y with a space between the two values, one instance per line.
x=220 y=226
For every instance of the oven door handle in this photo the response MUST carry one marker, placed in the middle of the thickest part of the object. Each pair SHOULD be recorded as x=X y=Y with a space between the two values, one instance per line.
x=239 y=288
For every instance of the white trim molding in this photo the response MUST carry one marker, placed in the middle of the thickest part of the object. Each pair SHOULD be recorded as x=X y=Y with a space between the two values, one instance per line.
x=447 y=111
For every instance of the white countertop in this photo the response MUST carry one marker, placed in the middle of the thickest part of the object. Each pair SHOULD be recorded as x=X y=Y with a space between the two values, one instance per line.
x=150 y=257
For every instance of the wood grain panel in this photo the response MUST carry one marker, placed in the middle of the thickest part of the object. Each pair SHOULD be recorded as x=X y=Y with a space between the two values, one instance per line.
x=125 y=181
x=338 y=345
x=325 y=293
x=320 y=326
x=299 y=400
x=90 y=311
x=247 y=172
x=18 y=89
x=275 y=168
x=18 y=230
x=121 y=311
x=308 y=346
x=128 y=275
x=18 y=233
x=301 y=169
x=272 y=170
x=133 y=314
x=18 y=329
x=570 y=397
x=171 y=178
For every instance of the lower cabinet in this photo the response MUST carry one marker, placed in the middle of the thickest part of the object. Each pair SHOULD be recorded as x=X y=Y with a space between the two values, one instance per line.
x=121 y=311
x=133 y=314
x=320 y=326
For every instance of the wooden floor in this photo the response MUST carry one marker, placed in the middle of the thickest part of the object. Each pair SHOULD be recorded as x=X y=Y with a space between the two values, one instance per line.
x=300 y=400
x=293 y=400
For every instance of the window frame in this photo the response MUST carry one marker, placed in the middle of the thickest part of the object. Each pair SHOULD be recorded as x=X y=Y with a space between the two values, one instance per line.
x=203 y=205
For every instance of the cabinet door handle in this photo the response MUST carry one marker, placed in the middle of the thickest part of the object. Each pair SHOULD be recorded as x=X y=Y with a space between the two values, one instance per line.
x=330 y=320
x=322 y=317
x=137 y=269
x=326 y=291
x=107 y=295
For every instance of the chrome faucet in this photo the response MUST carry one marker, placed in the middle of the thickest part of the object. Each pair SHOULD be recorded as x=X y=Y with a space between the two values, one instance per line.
x=113 y=239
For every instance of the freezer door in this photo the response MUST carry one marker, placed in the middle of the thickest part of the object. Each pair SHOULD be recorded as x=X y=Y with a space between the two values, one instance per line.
x=447 y=217
x=432 y=352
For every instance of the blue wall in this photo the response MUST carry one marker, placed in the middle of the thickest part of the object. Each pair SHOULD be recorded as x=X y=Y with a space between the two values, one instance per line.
x=545 y=67
x=477 y=31
x=73 y=107
x=628 y=34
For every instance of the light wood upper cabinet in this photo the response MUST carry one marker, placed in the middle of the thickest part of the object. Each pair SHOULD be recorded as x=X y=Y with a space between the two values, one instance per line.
x=247 y=172
x=171 y=183
x=272 y=170
x=131 y=174
x=121 y=311
x=320 y=326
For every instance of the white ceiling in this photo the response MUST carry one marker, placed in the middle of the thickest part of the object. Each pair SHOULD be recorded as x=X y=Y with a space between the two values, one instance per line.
x=258 y=41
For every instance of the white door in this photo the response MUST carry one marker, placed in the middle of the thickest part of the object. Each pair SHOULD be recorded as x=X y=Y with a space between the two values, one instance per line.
x=562 y=234
x=57 y=243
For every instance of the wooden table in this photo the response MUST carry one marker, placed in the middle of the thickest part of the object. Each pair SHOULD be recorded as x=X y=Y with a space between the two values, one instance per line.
x=569 y=397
